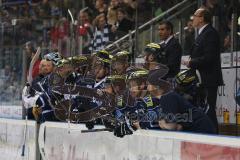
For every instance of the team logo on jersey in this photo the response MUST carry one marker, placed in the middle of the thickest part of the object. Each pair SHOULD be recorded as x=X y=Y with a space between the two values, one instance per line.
x=148 y=101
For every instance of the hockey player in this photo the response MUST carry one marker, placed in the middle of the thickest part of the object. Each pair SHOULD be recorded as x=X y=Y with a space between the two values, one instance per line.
x=143 y=113
x=46 y=101
x=114 y=85
x=153 y=56
x=98 y=75
x=188 y=85
x=120 y=62
x=117 y=121
x=45 y=68
x=48 y=97
x=71 y=77
x=101 y=67
x=81 y=64
x=32 y=92
x=175 y=112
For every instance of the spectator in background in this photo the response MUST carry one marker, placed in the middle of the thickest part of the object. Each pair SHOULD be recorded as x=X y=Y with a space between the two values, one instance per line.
x=63 y=34
x=102 y=33
x=129 y=6
x=30 y=51
x=227 y=43
x=54 y=35
x=84 y=31
x=205 y=57
x=123 y=24
x=189 y=37
x=111 y=16
x=45 y=9
x=230 y=7
x=55 y=10
x=101 y=7
x=158 y=7
x=8 y=84
x=171 y=47
x=7 y=75
x=59 y=35
x=112 y=12
x=216 y=9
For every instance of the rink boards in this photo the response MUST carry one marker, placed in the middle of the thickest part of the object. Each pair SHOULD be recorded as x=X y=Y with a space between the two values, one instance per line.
x=12 y=139
x=67 y=143
x=59 y=141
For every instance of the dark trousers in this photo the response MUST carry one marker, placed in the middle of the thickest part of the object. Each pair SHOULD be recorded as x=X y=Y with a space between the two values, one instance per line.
x=211 y=99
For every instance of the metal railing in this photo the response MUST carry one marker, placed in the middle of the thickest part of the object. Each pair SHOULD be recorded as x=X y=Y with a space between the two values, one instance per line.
x=125 y=43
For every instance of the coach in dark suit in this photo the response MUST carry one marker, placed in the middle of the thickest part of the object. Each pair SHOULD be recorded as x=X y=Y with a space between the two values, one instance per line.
x=205 y=57
x=171 y=48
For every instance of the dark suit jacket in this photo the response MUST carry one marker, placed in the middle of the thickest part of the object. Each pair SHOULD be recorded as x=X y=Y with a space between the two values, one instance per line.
x=205 y=56
x=173 y=51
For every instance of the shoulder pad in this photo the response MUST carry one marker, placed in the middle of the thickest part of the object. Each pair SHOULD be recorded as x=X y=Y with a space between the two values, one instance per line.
x=148 y=100
x=120 y=101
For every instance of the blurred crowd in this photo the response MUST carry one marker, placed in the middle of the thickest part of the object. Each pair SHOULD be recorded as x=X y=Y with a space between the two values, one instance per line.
x=48 y=23
x=9 y=84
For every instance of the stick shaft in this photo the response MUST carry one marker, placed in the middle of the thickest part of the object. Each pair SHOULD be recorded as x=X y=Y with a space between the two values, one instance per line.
x=96 y=130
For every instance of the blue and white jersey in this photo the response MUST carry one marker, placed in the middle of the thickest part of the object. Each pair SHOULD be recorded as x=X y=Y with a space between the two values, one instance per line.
x=144 y=110
x=48 y=98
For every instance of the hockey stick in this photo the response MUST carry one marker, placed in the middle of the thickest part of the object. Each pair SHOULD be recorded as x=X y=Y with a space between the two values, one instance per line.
x=71 y=54
x=34 y=59
x=96 y=130
x=29 y=79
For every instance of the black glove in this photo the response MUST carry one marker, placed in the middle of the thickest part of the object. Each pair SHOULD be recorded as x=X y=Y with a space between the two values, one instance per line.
x=109 y=122
x=90 y=125
x=121 y=130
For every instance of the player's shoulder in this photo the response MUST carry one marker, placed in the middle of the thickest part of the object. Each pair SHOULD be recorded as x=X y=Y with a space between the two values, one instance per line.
x=148 y=100
x=170 y=94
